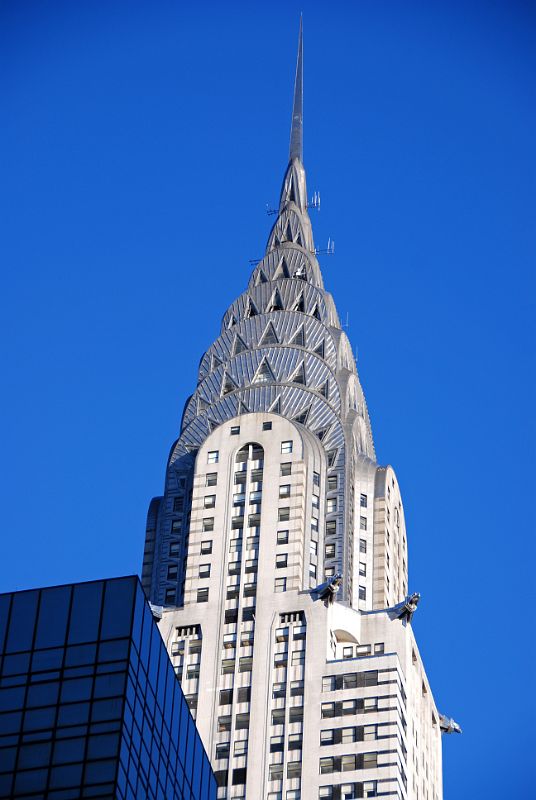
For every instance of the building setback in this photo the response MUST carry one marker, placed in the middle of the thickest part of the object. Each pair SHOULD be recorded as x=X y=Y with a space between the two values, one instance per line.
x=89 y=702
x=278 y=551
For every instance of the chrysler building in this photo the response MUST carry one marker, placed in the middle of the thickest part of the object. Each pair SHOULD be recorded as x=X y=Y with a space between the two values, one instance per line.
x=276 y=558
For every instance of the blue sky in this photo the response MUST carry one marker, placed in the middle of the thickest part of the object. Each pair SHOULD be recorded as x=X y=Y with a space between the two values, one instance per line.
x=139 y=146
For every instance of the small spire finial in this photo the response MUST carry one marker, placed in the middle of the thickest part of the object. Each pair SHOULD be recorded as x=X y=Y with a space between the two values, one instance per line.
x=296 y=130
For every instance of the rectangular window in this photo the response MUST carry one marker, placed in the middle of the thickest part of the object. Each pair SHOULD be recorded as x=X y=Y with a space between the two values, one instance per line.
x=204 y=570
x=316 y=479
x=331 y=527
x=313 y=547
x=329 y=572
x=241 y=747
x=362 y=568
x=224 y=723
x=326 y=765
x=328 y=683
x=293 y=771
x=241 y=722
x=282 y=537
x=369 y=732
x=327 y=737
x=210 y=500
x=329 y=551
x=279 y=690
x=370 y=760
x=315 y=501
x=362 y=593
x=170 y=596
x=213 y=456
x=211 y=479
x=363 y=501
x=362 y=546
x=202 y=595
x=267 y=426
x=206 y=548
x=244 y=692
x=222 y=750
x=208 y=524
x=327 y=710
x=331 y=505
x=370 y=789
x=333 y=482
x=286 y=447
x=348 y=763
x=277 y=744
x=235 y=430
x=174 y=548
x=286 y=468
x=295 y=741
x=284 y=491
x=295 y=714
x=278 y=716
x=284 y=514
x=298 y=657
x=348 y=735
x=280 y=585
x=348 y=652
x=312 y=571
x=172 y=572
x=178 y=504
x=281 y=560
x=296 y=688
x=227 y=666
x=363 y=523
x=226 y=697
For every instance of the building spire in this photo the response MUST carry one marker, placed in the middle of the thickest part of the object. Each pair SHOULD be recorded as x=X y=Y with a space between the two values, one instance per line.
x=296 y=130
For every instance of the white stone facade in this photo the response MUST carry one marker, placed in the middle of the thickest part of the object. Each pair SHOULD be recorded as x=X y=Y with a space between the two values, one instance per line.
x=272 y=490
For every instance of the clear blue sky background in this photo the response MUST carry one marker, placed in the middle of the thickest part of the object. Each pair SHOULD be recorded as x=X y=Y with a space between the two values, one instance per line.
x=139 y=144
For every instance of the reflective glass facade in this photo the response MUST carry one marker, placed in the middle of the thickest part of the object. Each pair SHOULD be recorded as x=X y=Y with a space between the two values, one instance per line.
x=89 y=702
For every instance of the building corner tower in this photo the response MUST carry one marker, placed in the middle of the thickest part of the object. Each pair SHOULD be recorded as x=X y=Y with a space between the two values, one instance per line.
x=278 y=551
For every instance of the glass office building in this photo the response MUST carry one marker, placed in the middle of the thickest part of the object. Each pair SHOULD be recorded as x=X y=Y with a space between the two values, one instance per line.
x=89 y=702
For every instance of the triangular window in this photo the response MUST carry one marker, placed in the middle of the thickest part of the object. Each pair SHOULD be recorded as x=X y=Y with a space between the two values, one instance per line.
x=261 y=277
x=239 y=345
x=232 y=321
x=242 y=408
x=300 y=273
x=264 y=373
x=228 y=384
x=324 y=389
x=321 y=433
x=251 y=310
x=275 y=242
x=299 y=240
x=299 y=305
x=201 y=405
x=275 y=304
x=303 y=416
x=215 y=362
x=288 y=233
x=212 y=425
x=315 y=312
x=299 y=337
x=320 y=349
x=269 y=336
x=331 y=457
x=281 y=270
x=275 y=408
x=299 y=375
